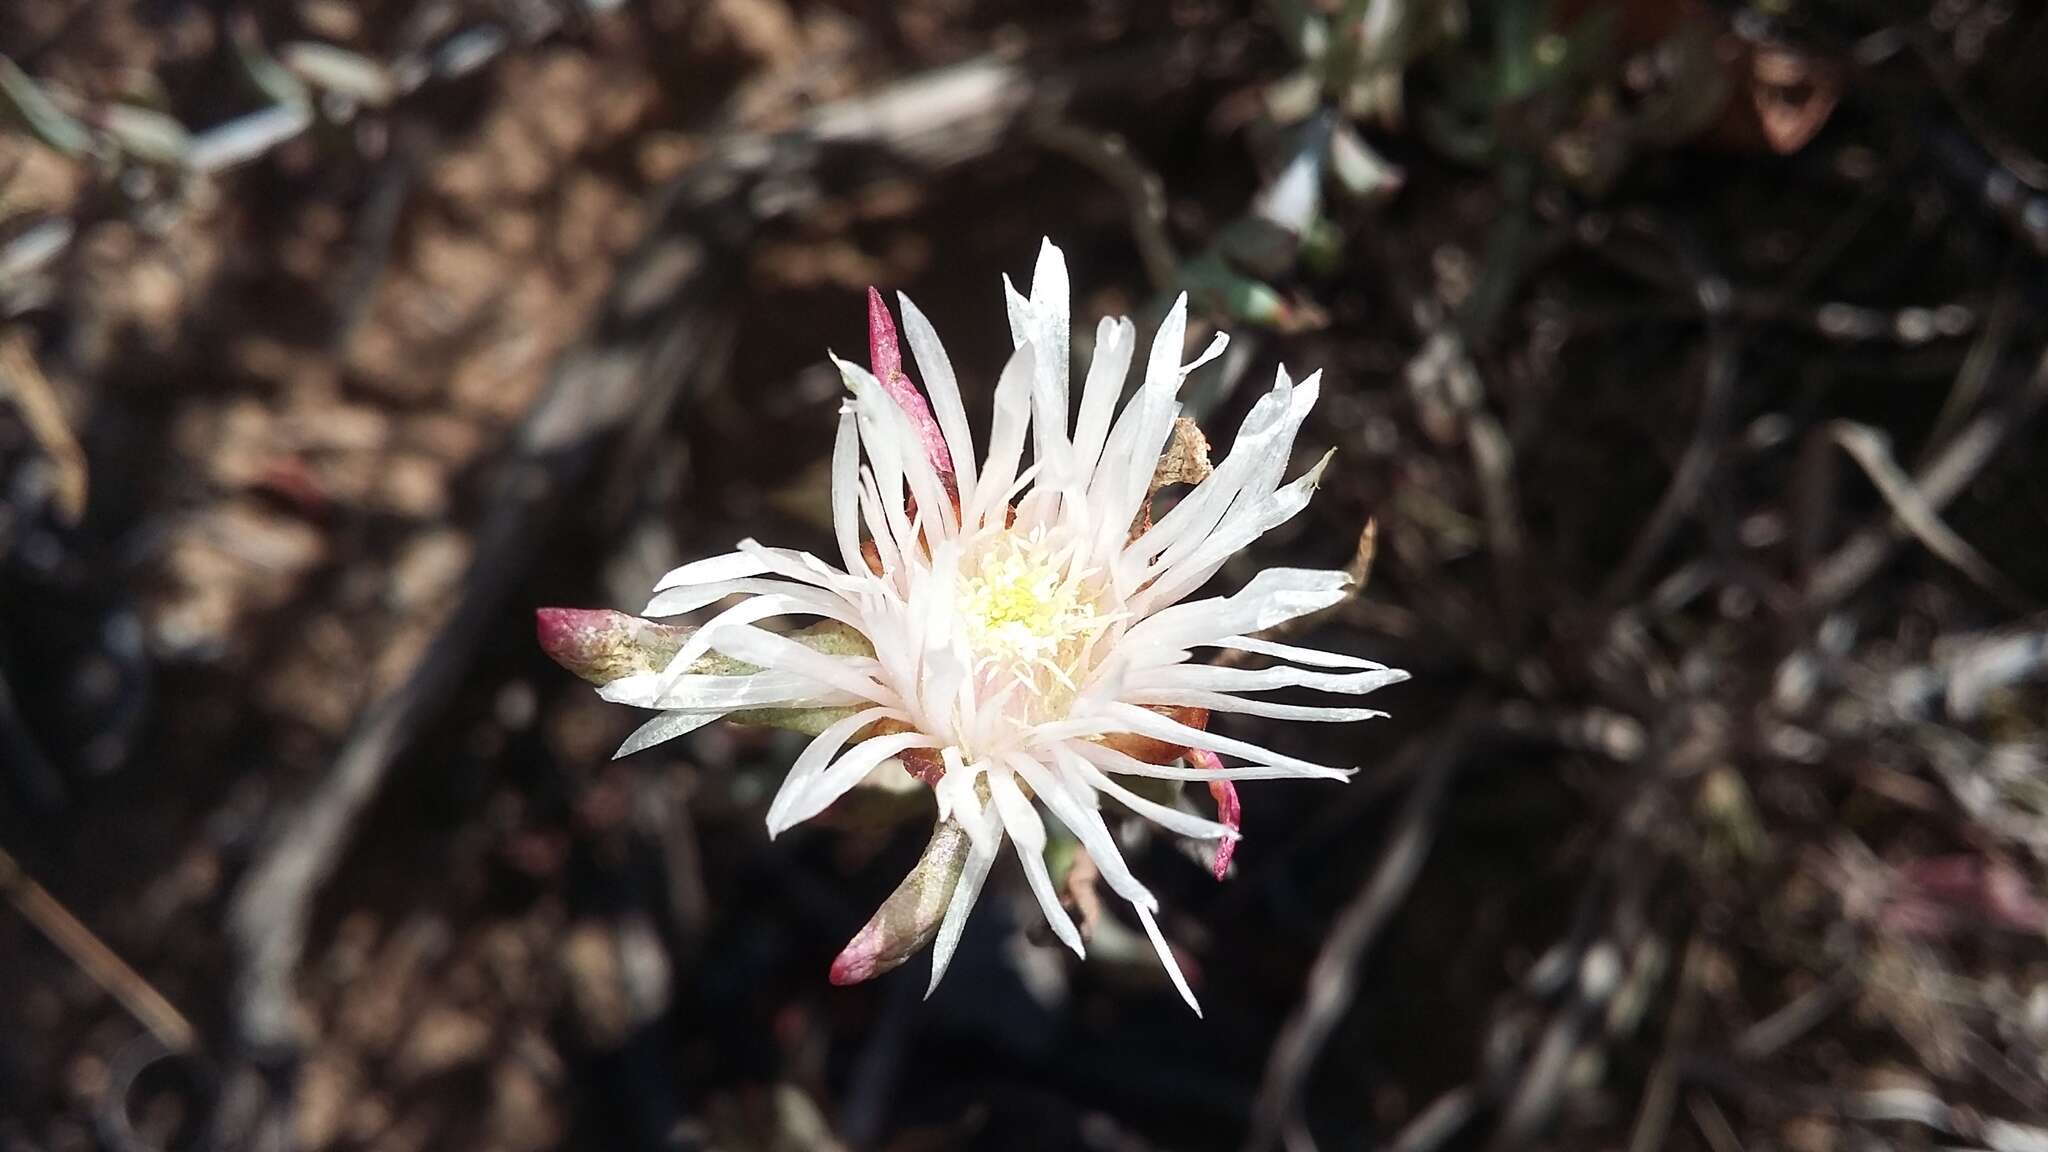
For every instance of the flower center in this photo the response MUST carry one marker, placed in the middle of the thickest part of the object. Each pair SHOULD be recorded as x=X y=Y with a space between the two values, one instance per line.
x=1028 y=615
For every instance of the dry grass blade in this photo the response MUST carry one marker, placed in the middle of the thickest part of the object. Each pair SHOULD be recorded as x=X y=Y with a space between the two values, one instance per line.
x=23 y=380
x=1360 y=568
x=1713 y=1123
x=1690 y=480
x=1872 y=452
x=1944 y=477
x=1437 y=1124
x=1769 y=1036
x=1660 y=1096
x=95 y=959
x=1979 y=367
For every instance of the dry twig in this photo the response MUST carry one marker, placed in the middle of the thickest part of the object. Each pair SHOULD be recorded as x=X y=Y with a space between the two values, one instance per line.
x=1696 y=467
x=1333 y=980
x=95 y=959
x=1109 y=156
x=1946 y=475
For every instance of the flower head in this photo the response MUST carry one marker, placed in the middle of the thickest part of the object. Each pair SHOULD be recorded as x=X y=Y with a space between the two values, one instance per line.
x=1025 y=633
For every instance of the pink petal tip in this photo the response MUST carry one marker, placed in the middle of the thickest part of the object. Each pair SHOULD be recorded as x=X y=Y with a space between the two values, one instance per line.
x=885 y=359
x=885 y=355
x=601 y=645
x=1228 y=810
x=562 y=630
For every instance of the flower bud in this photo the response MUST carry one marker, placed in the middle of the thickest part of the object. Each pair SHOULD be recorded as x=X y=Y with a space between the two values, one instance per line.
x=910 y=917
x=601 y=645
x=885 y=359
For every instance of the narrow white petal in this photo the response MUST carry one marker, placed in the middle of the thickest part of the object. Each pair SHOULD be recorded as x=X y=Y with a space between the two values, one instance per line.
x=1258 y=459
x=1060 y=794
x=1217 y=344
x=895 y=445
x=1274 y=596
x=676 y=601
x=726 y=693
x=849 y=770
x=942 y=664
x=944 y=389
x=1314 y=657
x=1020 y=819
x=1271 y=709
x=881 y=527
x=1011 y=418
x=959 y=801
x=944 y=672
x=846 y=491
x=1040 y=879
x=730 y=566
x=813 y=759
x=1019 y=309
x=1024 y=479
x=1128 y=462
x=1246 y=522
x=1216 y=678
x=1111 y=760
x=1301 y=400
x=1199 y=511
x=1247 y=506
x=746 y=612
x=758 y=646
x=1115 y=341
x=666 y=726
x=1076 y=727
x=955 y=788
x=1172 y=819
x=886 y=446
x=794 y=564
x=1162 y=365
x=1051 y=335
x=1050 y=292
x=980 y=858
x=1172 y=966
x=1145 y=722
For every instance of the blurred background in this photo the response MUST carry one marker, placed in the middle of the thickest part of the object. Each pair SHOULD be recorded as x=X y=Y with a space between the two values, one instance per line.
x=1686 y=357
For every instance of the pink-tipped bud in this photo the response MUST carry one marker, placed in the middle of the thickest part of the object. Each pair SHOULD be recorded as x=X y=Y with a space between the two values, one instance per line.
x=885 y=359
x=601 y=645
x=1228 y=810
x=885 y=353
x=864 y=957
x=911 y=916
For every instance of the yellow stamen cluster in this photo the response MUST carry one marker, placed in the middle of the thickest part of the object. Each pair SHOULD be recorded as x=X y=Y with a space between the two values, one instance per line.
x=1024 y=610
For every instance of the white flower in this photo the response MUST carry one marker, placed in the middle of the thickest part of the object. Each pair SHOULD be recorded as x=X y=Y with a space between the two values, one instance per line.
x=1017 y=628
